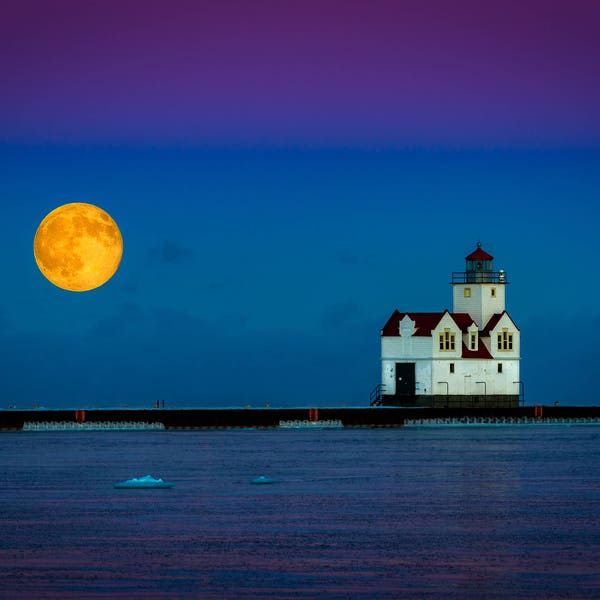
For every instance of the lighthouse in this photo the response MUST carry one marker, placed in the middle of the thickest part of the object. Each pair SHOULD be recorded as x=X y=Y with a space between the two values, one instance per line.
x=467 y=357
x=479 y=290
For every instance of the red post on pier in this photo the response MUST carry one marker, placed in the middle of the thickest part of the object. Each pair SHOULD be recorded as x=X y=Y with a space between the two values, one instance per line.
x=80 y=416
x=313 y=414
x=538 y=412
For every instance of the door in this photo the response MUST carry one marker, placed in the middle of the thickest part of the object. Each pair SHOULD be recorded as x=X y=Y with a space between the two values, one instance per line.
x=405 y=379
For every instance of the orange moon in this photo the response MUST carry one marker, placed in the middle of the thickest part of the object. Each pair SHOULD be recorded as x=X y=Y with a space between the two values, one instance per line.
x=78 y=247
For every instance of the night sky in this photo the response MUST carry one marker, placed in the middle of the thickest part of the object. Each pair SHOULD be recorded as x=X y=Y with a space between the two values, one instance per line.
x=285 y=175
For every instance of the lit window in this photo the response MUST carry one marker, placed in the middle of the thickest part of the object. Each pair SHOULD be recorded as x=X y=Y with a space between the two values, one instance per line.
x=451 y=367
x=493 y=292
x=447 y=341
x=505 y=340
x=499 y=367
x=473 y=341
x=467 y=292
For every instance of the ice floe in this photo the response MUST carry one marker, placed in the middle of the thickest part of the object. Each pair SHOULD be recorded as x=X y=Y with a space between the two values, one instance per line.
x=262 y=479
x=144 y=482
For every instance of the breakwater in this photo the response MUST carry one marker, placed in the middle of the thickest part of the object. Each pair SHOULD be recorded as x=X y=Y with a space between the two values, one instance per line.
x=205 y=418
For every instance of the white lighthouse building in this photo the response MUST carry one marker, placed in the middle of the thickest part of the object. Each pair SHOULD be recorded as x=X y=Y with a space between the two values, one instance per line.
x=467 y=357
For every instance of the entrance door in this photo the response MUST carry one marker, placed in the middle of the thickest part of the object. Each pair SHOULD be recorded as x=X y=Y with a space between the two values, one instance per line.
x=405 y=379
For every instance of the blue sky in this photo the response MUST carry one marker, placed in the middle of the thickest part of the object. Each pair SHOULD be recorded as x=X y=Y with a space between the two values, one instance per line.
x=254 y=276
x=285 y=175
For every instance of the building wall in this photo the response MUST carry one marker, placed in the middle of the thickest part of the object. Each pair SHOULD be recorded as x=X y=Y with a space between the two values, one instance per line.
x=422 y=376
x=481 y=305
x=468 y=372
x=431 y=376
x=492 y=341
x=432 y=366
x=447 y=322
x=402 y=349
x=414 y=349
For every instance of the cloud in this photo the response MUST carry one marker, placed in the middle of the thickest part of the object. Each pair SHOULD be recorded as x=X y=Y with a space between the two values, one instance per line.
x=342 y=314
x=128 y=286
x=171 y=252
x=216 y=285
x=232 y=321
x=127 y=315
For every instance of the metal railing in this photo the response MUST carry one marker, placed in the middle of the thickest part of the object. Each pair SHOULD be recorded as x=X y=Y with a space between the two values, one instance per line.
x=474 y=420
x=479 y=277
x=375 y=397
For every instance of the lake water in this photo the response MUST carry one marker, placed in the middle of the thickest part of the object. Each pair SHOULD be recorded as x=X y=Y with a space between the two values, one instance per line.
x=447 y=512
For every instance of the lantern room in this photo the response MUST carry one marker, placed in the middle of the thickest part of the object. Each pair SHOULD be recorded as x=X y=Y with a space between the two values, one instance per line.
x=479 y=265
x=479 y=269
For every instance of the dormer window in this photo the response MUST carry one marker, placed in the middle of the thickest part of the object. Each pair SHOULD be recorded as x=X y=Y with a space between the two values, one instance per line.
x=505 y=340
x=406 y=327
x=473 y=341
x=447 y=341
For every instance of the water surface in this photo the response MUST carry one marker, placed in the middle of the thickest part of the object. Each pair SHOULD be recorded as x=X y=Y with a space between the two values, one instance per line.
x=455 y=512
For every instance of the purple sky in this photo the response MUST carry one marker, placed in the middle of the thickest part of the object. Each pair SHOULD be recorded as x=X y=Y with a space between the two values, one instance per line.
x=377 y=73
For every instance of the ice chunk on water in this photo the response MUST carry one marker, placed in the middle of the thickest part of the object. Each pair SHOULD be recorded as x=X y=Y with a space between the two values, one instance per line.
x=263 y=479
x=144 y=482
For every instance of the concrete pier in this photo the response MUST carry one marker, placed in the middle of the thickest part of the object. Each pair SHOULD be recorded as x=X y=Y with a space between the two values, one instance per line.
x=205 y=418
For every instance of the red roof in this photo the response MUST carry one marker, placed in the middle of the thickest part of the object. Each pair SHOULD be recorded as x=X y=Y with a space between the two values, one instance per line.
x=491 y=323
x=481 y=352
x=494 y=321
x=479 y=254
x=463 y=320
x=424 y=322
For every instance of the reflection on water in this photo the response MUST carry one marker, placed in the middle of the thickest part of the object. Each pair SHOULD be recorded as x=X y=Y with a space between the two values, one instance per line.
x=495 y=512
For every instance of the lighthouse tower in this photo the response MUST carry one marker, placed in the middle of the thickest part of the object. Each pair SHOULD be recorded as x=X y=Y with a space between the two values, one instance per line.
x=479 y=291
x=465 y=358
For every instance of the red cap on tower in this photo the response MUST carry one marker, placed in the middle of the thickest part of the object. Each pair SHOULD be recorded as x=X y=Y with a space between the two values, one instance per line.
x=479 y=254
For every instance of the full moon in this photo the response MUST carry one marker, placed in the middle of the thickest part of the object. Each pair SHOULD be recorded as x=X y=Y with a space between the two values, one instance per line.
x=78 y=247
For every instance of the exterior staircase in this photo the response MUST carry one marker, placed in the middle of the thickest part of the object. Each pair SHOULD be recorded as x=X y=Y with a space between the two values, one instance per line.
x=376 y=395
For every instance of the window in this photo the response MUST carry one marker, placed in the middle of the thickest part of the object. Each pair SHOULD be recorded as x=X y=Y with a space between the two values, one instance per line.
x=447 y=341
x=467 y=292
x=473 y=341
x=451 y=367
x=499 y=367
x=493 y=292
x=505 y=340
